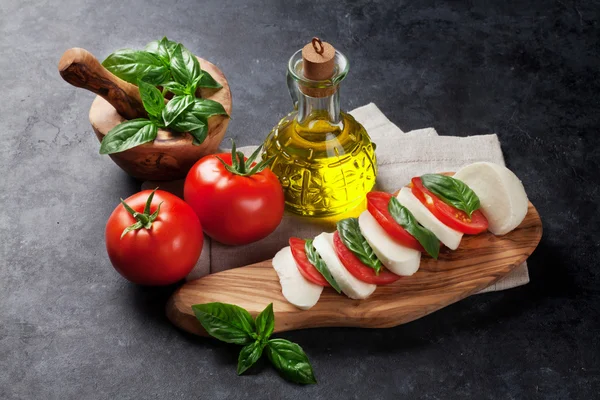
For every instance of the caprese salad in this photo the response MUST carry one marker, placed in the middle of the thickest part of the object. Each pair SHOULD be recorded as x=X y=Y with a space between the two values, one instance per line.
x=386 y=241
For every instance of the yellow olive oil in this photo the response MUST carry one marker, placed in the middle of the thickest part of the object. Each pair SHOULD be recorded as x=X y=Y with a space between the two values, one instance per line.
x=325 y=168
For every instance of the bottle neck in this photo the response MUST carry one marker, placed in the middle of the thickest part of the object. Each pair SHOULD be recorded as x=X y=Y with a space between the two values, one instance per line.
x=322 y=108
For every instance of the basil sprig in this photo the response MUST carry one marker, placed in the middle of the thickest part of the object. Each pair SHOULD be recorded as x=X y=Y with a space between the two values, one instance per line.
x=152 y=99
x=315 y=259
x=129 y=134
x=452 y=192
x=232 y=324
x=405 y=219
x=175 y=107
x=160 y=63
x=349 y=232
x=178 y=71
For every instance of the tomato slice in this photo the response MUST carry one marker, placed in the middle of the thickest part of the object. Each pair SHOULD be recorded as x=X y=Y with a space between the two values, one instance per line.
x=377 y=204
x=307 y=270
x=448 y=215
x=357 y=268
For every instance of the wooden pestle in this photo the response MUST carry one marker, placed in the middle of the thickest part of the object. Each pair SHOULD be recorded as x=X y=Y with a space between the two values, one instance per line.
x=80 y=68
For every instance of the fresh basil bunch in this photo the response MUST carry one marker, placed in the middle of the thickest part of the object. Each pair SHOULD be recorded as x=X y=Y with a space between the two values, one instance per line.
x=173 y=67
x=232 y=324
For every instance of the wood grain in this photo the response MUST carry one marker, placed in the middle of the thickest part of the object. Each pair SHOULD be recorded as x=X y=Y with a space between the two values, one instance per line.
x=80 y=68
x=479 y=262
x=172 y=154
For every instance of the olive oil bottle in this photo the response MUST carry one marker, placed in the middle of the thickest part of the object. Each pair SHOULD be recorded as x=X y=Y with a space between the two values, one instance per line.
x=324 y=158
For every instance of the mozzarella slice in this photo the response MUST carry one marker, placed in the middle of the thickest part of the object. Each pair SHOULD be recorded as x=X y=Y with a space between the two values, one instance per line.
x=501 y=194
x=450 y=237
x=399 y=259
x=352 y=287
x=295 y=288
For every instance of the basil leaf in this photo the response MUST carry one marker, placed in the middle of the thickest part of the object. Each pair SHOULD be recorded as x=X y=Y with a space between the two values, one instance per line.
x=315 y=259
x=226 y=322
x=175 y=107
x=185 y=67
x=152 y=98
x=162 y=48
x=128 y=134
x=133 y=65
x=207 y=81
x=176 y=88
x=265 y=322
x=405 y=219
x=249 y=355
x=452 y=191
x=187 y=122
x=205 y=108
x=350 y=234
x=199 y=134
x=290 y=361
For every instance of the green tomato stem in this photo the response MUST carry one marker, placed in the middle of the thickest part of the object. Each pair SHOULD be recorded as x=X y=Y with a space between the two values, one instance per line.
x=242 y=167
x=144 y=219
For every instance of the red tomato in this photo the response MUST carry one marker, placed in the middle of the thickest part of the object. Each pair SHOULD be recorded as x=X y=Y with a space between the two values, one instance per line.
x=304 y=266
x=162 y=254
x=377 y=204
x=233 y=209
x=357 y=268
x=448 y=215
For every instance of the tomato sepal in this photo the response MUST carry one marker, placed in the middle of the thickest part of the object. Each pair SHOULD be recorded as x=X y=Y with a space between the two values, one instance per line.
x=145 y=219
x=242 y=167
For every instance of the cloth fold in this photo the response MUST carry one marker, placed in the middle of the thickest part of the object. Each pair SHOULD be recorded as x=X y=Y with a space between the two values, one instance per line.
x=400 y=156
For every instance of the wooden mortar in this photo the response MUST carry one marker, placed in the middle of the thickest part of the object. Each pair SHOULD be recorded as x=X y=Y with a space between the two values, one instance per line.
x=171 y=154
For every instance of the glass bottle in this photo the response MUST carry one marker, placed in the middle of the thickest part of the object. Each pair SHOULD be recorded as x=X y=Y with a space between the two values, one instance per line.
x=323 y=157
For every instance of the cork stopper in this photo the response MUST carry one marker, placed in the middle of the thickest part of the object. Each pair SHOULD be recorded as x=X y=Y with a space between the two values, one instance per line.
x=318 y=63
x=318 y=60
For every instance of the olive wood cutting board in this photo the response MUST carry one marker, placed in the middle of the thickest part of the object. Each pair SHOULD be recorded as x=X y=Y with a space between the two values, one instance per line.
x=480 y=261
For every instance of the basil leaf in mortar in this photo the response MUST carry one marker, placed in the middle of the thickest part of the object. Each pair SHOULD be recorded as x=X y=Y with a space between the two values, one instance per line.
x=452 y=192
x=290 y=361
x=226 y=322
x=315 y=259
x=133 y=65
x=206 y=108
x=185 y=67
x=405 y=219
x=207 y=81
x=128 y=134
x=152 y=99
x=188 y=122
x=176 y=88
x=162 y=48
x=175 y=107
x=349 y=232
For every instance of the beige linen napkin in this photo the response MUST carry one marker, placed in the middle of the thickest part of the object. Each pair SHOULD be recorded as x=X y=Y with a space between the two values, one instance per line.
x=400 y=157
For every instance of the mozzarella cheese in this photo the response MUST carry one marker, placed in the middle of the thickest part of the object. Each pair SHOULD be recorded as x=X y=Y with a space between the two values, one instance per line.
x=450 y=237
x=399 y=259
x=501 y=194
x=295 y=288
x=352 y=287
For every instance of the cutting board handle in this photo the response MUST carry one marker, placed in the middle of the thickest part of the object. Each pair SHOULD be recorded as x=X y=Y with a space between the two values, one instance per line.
x=81 y=69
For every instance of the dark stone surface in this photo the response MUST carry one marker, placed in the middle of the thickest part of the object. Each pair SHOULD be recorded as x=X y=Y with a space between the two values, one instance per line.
x=72 y=328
